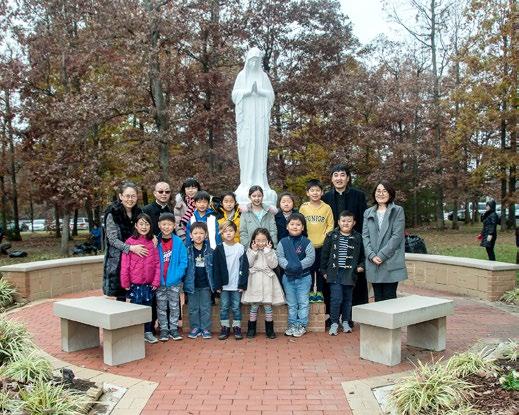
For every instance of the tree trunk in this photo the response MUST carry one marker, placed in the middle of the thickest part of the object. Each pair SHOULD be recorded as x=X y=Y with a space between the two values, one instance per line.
x=74 y=225
x=57 y=232
x=65 y=234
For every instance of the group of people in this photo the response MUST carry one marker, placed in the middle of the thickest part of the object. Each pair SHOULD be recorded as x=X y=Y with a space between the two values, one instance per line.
x=210 y=247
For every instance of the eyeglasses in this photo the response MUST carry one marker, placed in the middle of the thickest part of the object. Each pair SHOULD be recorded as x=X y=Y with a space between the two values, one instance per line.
x=163 y=191
x=130 y=197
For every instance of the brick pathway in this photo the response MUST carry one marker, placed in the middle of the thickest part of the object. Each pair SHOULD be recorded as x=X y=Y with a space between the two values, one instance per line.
x=260 y=376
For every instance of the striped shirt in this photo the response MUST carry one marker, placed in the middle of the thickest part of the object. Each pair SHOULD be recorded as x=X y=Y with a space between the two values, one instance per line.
x=343 y=251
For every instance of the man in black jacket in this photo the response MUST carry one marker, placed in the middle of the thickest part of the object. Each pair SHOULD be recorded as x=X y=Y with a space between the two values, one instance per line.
x=344 y=197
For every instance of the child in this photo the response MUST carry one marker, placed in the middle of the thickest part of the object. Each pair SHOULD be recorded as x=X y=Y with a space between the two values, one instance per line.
x=229 y=212
x=319 y=220
x=286 y=205
x=263 y=287
x=199 y=282
x=173 y=264
x=342 y=259
x=204 y=214
x=185 y=205
x=140 y=275
x=296 y=256
x=257 y=216
x=230 y=270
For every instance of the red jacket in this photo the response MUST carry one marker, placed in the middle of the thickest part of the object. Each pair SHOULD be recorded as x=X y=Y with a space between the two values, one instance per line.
x=140 y=270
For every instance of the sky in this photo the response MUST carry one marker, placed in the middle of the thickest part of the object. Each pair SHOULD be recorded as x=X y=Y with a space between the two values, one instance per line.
x=369 y=19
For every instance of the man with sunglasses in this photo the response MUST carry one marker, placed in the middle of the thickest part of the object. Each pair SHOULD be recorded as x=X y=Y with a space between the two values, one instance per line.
x=162 y=193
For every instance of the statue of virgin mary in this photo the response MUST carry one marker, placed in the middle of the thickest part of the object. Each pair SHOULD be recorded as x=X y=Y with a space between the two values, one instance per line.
x=253 y=97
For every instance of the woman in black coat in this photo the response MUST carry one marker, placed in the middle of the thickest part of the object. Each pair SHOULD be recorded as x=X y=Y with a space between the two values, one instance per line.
x=489 y=232
x=120 y=218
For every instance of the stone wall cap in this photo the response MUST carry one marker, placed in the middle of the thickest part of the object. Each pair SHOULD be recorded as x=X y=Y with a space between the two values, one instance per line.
x=402 y=311
x=52 y=263
x=462 y=262
x=102 y=312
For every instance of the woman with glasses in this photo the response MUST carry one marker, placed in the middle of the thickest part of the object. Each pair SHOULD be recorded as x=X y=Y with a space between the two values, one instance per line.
x=120 y=218
x=384 y=242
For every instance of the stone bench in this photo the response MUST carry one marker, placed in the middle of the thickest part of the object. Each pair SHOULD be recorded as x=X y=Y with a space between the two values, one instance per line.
x=122 y=324
x=381 y=323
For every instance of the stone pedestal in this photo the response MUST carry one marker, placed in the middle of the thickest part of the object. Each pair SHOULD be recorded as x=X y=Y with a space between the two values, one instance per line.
x=380 y=345
x=429 y=335
x=78 y=336
x=123 y=345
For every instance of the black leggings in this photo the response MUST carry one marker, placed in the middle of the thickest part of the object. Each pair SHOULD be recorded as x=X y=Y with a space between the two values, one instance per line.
x=385 y=290
x=490 y=252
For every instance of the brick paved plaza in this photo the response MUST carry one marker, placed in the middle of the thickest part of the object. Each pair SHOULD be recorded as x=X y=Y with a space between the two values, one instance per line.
x=260 y=376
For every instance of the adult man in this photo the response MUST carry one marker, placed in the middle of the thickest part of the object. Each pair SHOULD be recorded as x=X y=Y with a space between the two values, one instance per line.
x=344 y=197
x=162 y=195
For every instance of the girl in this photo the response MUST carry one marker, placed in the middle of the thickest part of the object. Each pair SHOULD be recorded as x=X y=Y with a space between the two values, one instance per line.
x=263 y=286
x=120 y=219
x=383 y=238
x=185 y=205
x=229 y=212
x=140 y=275
x=286 y=205
x=256 y=216
x=489 y=232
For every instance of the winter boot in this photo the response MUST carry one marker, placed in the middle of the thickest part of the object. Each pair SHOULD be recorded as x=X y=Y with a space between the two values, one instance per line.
x=251 y=329
x=269 y=329
x=224 y=333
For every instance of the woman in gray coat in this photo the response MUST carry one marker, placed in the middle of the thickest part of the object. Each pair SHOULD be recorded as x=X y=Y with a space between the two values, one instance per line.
x=384 y=243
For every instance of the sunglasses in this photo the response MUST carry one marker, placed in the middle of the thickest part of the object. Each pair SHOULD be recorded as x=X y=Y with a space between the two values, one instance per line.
x=163 y=191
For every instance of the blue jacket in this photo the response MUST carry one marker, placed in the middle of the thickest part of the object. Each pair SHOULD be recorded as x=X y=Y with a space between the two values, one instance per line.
x=296 y=264
x=212 y=226
x=189 y=282
x=177 y=263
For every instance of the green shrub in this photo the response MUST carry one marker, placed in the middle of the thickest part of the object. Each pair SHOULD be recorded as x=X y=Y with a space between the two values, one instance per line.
x=510 y=381
x=14 y=338
x=468 y=363
x=44 y=398
x=7 y=293
x=430 y=389
x=8 y=404
x=27 y=368
x=508 y=350
x=511 y=297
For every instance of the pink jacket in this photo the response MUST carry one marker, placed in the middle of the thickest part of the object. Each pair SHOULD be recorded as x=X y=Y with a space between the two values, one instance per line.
x=137 y=270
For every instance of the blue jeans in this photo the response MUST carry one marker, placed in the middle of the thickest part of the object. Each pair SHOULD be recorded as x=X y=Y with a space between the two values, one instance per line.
x=296 y=291
x=230 y=300
x=340 y=302
x=199 y=305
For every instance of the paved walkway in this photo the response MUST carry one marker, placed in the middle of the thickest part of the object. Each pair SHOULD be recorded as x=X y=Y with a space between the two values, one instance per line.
x=260 y=376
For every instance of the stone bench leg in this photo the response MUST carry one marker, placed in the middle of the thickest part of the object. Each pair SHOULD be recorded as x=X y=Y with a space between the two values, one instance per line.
x=123 y=345
x=78 y=336
x=380 y=345
x=429 y=335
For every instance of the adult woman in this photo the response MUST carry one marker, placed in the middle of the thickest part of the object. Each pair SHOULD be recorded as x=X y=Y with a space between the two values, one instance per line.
x=383 y=238
x=489 y=232
x=185 y=205
x=120 y=219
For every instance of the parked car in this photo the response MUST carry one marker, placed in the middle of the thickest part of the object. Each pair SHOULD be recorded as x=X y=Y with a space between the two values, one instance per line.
x=23 y=227
x=37 y=225
x=82 y=223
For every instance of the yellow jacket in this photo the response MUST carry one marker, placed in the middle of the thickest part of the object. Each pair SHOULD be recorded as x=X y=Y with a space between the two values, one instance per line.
x=319 y=221
x=235 y=218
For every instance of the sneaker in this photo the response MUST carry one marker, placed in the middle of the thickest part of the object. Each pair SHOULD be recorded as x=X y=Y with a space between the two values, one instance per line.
x=237 y=333
x=194 y=333
x=150 y=338
x=206 y=334
x=290 y=331
x=164 y=336
x=224 y=333
x=334 y=329
x=311 y=297
x=319 y=297
x=299 y=331
x=346 y=327
x=175 y=335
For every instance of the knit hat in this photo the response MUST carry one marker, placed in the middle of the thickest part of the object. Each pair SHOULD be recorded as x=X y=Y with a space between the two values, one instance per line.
x=167 y=216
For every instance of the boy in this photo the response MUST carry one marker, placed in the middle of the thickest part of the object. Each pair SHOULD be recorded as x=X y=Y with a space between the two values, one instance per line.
x=230 y=270
x=296 y=256
x=173 y=264
x=204 y=214
x=342 y=258
x=319 y=219
x=199 y=282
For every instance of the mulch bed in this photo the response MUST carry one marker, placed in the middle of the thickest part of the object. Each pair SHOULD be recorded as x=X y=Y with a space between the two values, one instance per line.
x=490 y=397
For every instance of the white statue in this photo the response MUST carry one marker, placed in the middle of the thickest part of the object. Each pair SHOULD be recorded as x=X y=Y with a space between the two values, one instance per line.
x=253 y=97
